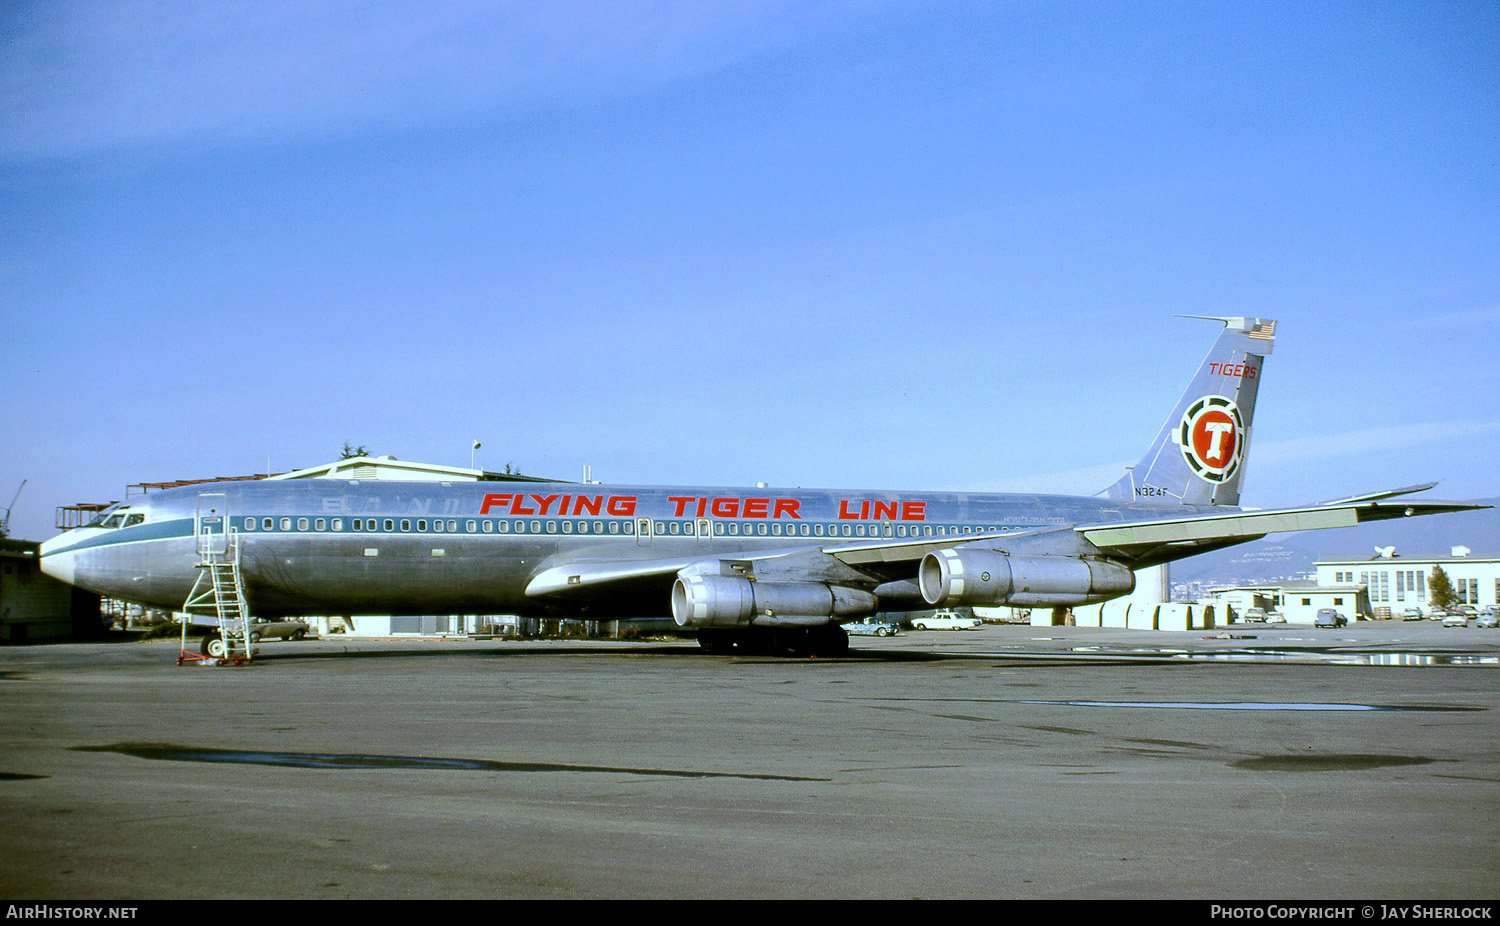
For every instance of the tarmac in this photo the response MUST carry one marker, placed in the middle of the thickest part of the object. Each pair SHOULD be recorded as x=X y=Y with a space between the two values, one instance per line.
x=1267 y=763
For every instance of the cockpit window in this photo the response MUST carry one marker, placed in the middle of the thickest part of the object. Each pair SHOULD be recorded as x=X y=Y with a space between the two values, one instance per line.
x=119 y=517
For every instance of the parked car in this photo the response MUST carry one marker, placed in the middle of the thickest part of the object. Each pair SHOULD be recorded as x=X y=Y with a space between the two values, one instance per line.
x=1254 y=616
x=1412 y=614
x=946 y=620
x=1275 y=617
x=1456 y=619
x=872 y=629
x=270 y=628
x=1489 y=617
x=1328 y=617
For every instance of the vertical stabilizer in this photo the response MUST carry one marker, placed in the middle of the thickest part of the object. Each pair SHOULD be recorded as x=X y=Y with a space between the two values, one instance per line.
x=1199 y=456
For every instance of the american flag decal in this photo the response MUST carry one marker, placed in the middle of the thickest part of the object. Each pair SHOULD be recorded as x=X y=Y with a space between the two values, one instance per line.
x=1265 y=331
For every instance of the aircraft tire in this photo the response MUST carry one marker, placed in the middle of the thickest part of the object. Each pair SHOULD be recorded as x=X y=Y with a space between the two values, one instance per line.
x=794 y=644
x=829 y=642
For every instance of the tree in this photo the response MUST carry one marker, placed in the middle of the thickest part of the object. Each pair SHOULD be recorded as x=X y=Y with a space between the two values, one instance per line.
x=350 y=451
x=1440 y=590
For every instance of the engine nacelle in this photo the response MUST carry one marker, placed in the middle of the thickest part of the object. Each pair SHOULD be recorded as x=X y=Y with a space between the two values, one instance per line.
x=710 y=601
x=968 y=576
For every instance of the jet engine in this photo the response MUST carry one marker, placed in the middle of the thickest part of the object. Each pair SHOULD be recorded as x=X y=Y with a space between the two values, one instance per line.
x=969 y=576
x=710 y=601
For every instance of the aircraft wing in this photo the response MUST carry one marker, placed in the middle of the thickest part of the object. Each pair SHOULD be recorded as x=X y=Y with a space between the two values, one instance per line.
x=1135 y=542
x=578 y=575
x=1164 y=539
x=587 y=575
x=1145 y=538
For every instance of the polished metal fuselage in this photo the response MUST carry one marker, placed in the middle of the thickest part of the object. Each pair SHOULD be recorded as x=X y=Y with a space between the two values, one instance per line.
x=329 y=546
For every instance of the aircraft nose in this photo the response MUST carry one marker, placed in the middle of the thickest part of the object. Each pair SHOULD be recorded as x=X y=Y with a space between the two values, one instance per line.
x=58 y=562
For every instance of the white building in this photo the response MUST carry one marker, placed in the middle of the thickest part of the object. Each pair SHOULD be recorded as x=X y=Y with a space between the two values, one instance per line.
x=1396 y=583
x=1302 y=600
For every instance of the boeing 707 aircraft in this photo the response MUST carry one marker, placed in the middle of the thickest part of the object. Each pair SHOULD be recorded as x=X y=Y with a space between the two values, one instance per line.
x=743 y=567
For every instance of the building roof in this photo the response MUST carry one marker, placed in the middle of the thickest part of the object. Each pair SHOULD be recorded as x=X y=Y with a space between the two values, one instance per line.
x=388 y=467
x=383 y=467
x=1411 y=559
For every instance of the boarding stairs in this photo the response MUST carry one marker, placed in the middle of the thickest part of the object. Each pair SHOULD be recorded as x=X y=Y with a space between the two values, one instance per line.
x=219 y=593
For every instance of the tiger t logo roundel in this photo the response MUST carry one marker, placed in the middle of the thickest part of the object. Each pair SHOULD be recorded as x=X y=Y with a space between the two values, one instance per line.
x=1212 y=436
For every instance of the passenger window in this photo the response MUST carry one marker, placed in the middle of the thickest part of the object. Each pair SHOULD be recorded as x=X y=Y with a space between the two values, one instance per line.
x=286 y=524
x=470 y=526
x=567 y=527
x=268 y=524
x=536 y=527
x=390 y=524
x=321 y=524
x=405 y=525
x=338 y=524
x=598 y=527
x=453 y=527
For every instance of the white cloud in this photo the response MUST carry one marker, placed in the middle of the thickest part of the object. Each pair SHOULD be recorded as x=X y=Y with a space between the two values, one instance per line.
x=1297 y=451
x=82 y=77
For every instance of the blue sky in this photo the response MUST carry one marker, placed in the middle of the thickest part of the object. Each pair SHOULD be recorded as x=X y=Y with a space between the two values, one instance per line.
x=866 y=245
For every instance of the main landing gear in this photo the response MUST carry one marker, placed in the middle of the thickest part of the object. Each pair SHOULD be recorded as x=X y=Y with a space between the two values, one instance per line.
x=798 y=642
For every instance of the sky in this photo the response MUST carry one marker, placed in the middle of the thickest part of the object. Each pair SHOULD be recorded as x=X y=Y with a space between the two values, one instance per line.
x=879 y=245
